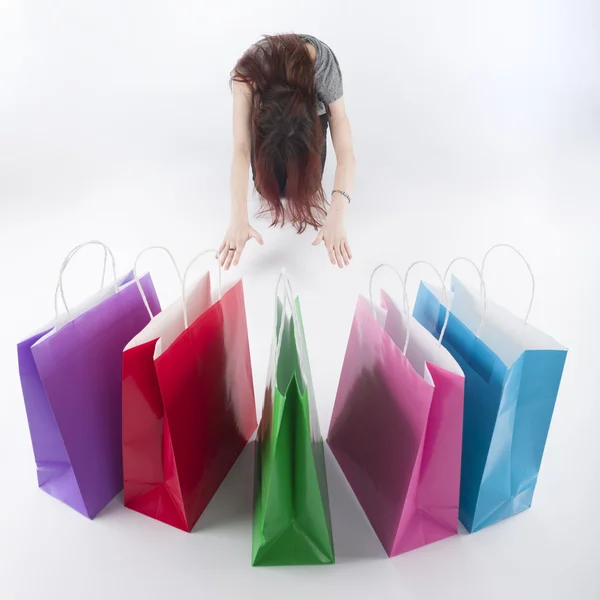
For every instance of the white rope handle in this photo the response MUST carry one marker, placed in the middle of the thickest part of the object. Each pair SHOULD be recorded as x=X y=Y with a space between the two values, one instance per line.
x=444 y=295
x=527 y=314
x=185 y=275
x=57 y=290
x=70 y=257
x=137 y=279
x=400 y=279
x=483 y=292
x=406 y=307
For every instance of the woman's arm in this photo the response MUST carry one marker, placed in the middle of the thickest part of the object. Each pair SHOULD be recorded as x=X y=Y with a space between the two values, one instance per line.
x=333 y=232
x=239 y=231
x=242 y=98
x=344 y=152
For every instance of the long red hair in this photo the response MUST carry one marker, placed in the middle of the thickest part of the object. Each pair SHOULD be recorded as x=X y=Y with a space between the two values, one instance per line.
x=287 y=135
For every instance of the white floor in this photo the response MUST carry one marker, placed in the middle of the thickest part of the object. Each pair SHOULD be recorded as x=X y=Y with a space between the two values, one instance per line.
x=475 y=122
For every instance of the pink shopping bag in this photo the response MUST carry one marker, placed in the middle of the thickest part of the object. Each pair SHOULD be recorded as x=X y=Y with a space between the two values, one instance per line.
x=396 y=429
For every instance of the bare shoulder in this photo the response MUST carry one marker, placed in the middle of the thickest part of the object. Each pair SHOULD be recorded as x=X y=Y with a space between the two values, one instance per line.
x=312 y=51
x=241 y=88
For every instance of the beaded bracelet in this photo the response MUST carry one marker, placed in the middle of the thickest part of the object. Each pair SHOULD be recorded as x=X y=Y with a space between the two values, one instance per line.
x=347 y=196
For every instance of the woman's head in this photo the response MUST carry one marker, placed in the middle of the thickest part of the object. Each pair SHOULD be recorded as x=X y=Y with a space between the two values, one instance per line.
x=286 y=131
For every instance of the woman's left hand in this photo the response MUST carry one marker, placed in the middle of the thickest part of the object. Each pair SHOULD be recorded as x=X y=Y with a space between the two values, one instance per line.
x=333 y=233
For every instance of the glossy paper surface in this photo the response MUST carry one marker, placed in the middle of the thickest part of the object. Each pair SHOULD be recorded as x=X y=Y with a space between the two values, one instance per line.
x=396 y=433
x=508 y=408
x=187 y=414
x=71 y=384
x=292 y=524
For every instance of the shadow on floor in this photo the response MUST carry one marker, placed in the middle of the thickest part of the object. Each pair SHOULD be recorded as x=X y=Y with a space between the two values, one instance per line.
x=232 y=504
x=114 y=507
x=353 y=537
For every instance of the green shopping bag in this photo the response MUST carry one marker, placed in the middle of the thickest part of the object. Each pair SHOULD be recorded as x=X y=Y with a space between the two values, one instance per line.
x=292 y=525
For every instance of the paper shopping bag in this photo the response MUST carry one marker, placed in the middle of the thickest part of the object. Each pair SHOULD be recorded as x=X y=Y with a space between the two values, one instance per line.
x=396 y=427
x=188 y=404
x=71 y=379
x=512 y=376
x=292 y=523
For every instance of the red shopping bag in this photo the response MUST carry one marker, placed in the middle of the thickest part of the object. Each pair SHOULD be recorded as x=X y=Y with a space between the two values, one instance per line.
x=188 y=404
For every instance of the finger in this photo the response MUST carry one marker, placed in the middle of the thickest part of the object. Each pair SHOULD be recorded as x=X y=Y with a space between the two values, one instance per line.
x=344 y=253
x=229 y=259
x=348 y=251
x=319 y=238
x=223 y=257
x=237 y=255
x=331 y=253
x=224 y=254
x=338 y=256
x=221 y=247
x=254 y=234
x=228 y=254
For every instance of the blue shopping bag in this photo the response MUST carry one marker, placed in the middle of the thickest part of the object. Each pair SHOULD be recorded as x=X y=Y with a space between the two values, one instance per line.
x=512 y=376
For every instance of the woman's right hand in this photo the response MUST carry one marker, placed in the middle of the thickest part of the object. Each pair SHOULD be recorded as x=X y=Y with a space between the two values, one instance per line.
x=236 y=237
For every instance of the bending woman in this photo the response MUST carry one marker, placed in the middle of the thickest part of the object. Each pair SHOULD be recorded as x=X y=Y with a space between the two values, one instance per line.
x=287 y=91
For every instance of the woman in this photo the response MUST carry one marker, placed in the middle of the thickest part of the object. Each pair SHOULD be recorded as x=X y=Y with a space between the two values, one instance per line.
x=287 y=90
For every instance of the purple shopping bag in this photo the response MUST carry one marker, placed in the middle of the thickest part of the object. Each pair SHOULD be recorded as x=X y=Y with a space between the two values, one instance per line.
x=397 y=425
x=71 y=379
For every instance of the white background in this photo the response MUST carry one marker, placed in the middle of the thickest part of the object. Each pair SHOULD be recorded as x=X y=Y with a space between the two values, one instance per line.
x=475 y=122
